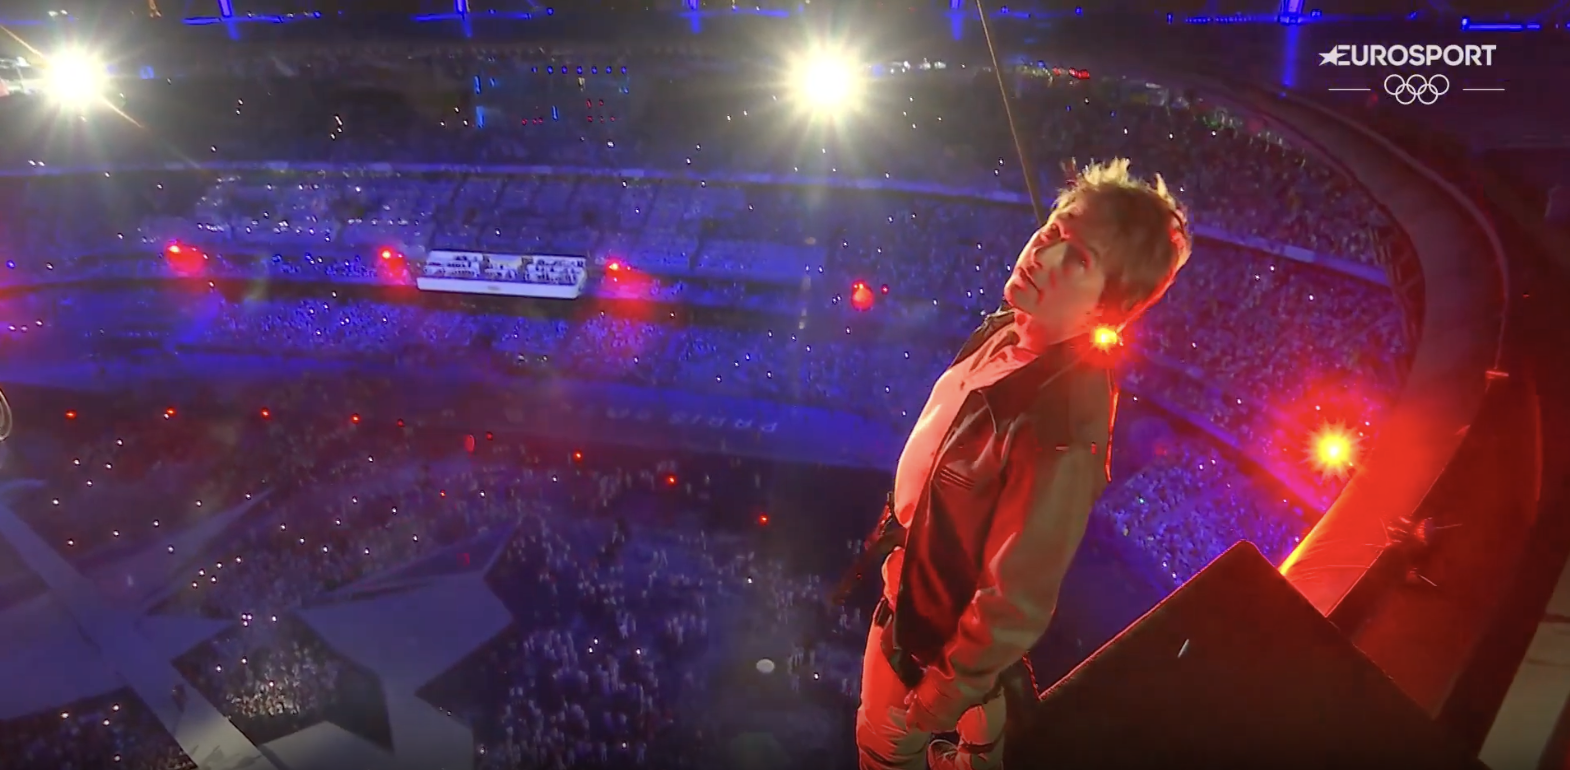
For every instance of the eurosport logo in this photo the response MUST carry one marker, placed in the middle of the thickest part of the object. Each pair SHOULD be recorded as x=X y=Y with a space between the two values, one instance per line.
x=1377 y=55
x=1407 y=88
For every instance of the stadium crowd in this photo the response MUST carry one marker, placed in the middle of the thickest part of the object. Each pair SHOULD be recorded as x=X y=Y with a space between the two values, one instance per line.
x=112 y=730
x=620 y=630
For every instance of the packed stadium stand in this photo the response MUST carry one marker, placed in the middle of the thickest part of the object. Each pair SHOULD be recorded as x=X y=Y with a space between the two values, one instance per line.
x=275 y=437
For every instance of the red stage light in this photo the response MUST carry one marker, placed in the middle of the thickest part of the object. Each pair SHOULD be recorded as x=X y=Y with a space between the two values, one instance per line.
x=489 y=436
x=387 y=254
x=1105 y=337
x=468 y=443
x=861 y=297
x=354 y=418
x=670 y=481
x=577 y=457
x=763 y=519
x=169 y=412
x=613 y=266
x=400 y=422
x=1334 y=449
x=267 y=414
x=70 y=414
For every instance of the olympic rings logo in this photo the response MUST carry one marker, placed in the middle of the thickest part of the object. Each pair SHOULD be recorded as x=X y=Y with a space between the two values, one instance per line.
x=1419 y=89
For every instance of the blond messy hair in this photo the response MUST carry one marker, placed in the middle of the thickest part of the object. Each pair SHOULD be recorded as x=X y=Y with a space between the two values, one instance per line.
x=1145 y=228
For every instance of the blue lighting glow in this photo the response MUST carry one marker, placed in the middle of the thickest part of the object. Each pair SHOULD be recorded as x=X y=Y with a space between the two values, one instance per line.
x=226 y=9
x=1467 y=25
x=1289 y=58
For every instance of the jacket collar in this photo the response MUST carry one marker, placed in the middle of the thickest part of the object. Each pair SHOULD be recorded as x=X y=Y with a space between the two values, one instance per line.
x=1019 y=390
x=994 y=321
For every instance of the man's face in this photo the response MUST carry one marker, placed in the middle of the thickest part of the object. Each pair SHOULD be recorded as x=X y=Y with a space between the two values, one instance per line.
x=1058 y=278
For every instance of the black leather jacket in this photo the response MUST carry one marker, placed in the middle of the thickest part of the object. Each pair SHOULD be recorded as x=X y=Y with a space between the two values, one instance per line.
x=1001 y=517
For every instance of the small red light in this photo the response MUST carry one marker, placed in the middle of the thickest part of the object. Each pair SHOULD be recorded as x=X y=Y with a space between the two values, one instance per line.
x=861 y=299
x=613 y=266
x=169 y=412
x=174 y=248
x=489 y=436
x=885 y=288
x=577 y=457
x=763 y=519
x=70 y=414
x=670 y=481
x=387 y=254
x=267 y=414
x=354 y=418
x=400 y=422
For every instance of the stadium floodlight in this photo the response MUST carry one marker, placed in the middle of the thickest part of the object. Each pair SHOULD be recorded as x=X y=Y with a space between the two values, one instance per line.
x=76 y=79
x=827 y=81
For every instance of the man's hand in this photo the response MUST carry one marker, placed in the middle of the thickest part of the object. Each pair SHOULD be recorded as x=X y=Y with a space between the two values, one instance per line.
x=920 y=718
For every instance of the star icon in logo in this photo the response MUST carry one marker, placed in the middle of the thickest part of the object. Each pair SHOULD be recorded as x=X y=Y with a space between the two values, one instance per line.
x=1333 y=56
